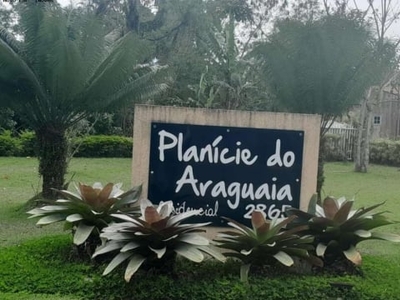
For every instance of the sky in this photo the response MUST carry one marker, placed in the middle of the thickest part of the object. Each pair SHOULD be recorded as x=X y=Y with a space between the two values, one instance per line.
x=393 y=32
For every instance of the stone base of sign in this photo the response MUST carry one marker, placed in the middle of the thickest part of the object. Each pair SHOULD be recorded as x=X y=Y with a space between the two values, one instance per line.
x=145 y=115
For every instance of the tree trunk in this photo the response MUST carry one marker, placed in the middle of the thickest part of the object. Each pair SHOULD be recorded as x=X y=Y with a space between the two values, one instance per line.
x=361 y=159
x=321 y=162
x=52 y=159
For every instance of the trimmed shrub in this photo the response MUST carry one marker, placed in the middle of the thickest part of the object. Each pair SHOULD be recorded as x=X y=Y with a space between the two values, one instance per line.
x=385 y=152
x=103 y=146
x=8 y=144
x=28 y=144
x=90 y=146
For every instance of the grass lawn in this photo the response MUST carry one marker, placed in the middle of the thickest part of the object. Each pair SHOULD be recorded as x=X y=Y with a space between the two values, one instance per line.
x=380 y=184
x=19 y=182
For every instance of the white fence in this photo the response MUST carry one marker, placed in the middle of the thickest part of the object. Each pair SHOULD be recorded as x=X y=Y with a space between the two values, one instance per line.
x=344 y=144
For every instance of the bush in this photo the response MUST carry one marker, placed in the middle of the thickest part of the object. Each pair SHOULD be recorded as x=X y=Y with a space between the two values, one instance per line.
x=28 y=144
x=103 y=146
x=385 y=152
x=88 y=212
x=90 y=146
x=22 y=145
x=8 y=144
x=330 y=149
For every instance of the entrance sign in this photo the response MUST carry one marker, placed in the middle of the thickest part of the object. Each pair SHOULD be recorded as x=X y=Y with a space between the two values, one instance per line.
x=225 y=171
x=226 y=163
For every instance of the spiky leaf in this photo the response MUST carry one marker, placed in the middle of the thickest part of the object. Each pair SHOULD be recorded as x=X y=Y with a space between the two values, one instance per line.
x=160 y=252
x=134 y=264
x=321 y=248
x=190 y=252
x=330 y=207
x=195 y=239
x=117 y=260
x=284 y=258
x=108 y=248
x=386 y=236
x=74 y=218
x=82 y=233
x=353 y=255
x=51 y=219
x=244 y=272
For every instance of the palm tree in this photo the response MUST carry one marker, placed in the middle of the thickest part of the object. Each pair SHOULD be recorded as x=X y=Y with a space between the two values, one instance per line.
x=60 y=73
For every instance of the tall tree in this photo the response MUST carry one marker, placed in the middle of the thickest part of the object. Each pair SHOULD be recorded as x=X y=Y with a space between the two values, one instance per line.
x=383 y=16
x=318 y=66
x=228 y=68
x=59 y=74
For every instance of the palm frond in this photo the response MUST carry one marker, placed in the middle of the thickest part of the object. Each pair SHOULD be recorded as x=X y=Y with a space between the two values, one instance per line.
x=93 y=44
x=10 y=40
x=15 y=68
x=114 y=67
x=61 y=71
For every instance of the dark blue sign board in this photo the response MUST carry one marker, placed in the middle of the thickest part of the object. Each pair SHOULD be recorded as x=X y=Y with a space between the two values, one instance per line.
x=225 y=171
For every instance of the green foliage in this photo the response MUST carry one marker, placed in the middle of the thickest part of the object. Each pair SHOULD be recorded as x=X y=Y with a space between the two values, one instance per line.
x=266 y=242
x=320 y=66
x=28 y=144
x=330 y=149
x=8 y=144
x=36 y=267
x=28 y=296
x=155 y=238
x=385 y=152
x=338 y=229
x=6 y=117
x=103 y=146
x=41 y=266
x=104 y=124
x=90 y=211
x=25 y=144
x=85 y=71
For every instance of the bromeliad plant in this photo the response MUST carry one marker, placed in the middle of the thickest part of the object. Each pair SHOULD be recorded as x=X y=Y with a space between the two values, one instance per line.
x=89 y=211
x=154 y=239
x=266 y=242
x=338 y=229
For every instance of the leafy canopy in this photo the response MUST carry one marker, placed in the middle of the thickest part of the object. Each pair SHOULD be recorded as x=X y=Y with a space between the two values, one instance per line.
x=322 y=66
x=66 y=67
x=60 y=72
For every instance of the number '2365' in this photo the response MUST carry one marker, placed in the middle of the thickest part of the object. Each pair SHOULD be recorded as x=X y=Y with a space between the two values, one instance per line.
x=271 y=213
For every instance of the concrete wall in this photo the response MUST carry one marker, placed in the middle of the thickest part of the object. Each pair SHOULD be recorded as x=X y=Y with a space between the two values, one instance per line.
x=145 y=114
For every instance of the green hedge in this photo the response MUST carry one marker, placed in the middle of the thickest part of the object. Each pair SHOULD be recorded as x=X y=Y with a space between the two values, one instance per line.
x=381 y=152
x=385 y=152
x=90 y=146
x=103 y=146
x=22 y=145
x=9 y=145
x=27 y=144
